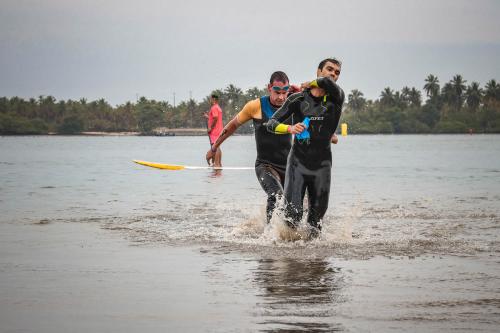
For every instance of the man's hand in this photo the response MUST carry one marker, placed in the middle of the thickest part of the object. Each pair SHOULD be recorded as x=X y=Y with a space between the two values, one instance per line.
x=297 y=128
x=294 y=89
x=305 y=85
x=334 y=139
x=210 y=157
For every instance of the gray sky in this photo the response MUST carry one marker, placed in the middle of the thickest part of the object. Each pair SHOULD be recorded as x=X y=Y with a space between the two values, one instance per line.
x=118 y=49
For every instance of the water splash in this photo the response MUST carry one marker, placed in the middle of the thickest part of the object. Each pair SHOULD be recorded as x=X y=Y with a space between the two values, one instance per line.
x=362 y=230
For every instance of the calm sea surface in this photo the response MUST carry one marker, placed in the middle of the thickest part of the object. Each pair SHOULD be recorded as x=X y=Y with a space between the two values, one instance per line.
x=410 y=239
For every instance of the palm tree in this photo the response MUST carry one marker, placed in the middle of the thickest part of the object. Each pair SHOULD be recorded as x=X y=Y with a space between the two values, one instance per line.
x=473 y=96
x=415 y=97
x=234 y=96
x=492 y=91
x=356 y=101
x=448 y=93
x=405 y=95
x=253 y=93
x=46 y=104
x=399 y=100
x=459 y=87
x=432 y=86
x=387 y=97
x=233 y=93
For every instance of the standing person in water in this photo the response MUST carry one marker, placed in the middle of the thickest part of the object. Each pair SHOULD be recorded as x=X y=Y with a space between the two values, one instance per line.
x=272 y=149
x=214 y=128
x=316 y=111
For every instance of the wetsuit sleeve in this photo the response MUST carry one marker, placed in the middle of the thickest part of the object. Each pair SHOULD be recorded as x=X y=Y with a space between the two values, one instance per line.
x=275 y=124
x=281 y=129
x=330 y=87
x=249 y=111
x=337 y=106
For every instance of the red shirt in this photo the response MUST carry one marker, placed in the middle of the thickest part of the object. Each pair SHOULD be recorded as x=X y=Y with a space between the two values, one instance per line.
x=215 y=111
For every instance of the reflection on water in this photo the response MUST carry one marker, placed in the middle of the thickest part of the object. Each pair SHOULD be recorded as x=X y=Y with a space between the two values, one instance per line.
x=298 y=295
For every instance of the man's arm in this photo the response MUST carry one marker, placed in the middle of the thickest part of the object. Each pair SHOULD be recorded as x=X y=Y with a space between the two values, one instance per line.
x=330 y=86
x=333 y=90
x=228 y=130
x=275 y=124
x=337 y=107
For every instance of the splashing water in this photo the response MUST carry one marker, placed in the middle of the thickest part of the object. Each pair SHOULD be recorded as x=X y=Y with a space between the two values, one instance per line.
x=361 y=231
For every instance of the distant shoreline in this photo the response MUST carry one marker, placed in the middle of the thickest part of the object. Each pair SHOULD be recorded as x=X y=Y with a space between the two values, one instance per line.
x=203 y=132
x=156 y=132
x=106 y=133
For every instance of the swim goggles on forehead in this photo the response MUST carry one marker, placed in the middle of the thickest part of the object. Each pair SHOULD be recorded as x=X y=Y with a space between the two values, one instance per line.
x=284 y=88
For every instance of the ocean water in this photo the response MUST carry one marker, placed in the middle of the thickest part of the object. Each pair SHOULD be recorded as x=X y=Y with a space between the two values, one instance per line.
x=410 y=240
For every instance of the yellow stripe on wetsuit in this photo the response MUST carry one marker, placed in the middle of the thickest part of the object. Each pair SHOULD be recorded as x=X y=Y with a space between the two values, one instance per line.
x=281 y=129
x=314 y=84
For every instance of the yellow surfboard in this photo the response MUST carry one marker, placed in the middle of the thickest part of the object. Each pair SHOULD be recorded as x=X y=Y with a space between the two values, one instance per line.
x=189 y=167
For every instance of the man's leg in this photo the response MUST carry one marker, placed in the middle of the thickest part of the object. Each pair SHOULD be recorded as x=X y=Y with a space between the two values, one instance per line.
x=319 y=194
x=218 y=158
x=271 y=180
x=295 y=189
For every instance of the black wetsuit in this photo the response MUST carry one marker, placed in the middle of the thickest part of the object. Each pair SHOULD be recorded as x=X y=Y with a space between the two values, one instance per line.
x=272 y=153
x=310 y=160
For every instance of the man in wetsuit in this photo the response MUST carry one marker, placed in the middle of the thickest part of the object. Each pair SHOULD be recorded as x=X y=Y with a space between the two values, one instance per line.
x=214 y=127
x=272 y=149
x=319 y=107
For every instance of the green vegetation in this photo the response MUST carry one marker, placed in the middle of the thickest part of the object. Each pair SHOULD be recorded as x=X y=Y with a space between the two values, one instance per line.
x=454 y=108
x=46 y=115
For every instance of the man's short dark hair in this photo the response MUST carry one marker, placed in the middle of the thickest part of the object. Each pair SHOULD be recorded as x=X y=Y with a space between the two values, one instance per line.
x=332 y=60
x=215 y=96
x=278 y=76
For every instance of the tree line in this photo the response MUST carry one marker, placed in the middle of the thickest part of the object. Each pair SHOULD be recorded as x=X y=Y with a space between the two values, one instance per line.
x=48 y=115
x=453 y=108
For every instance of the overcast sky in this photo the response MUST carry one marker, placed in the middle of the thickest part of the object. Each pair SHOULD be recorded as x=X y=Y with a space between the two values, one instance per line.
x=120 y=49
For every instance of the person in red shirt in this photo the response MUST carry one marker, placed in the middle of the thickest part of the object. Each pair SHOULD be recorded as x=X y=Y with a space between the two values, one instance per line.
x=214 y=128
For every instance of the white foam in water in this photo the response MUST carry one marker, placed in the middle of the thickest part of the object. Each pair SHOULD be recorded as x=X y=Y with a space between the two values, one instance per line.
x=361 y=230
x=277 y=232
x=253 y=227
x=227 y=222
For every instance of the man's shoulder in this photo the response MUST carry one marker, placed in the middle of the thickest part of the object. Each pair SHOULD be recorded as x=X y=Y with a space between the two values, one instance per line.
x=216 y=107
x=251 y=110
x=253 y=104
